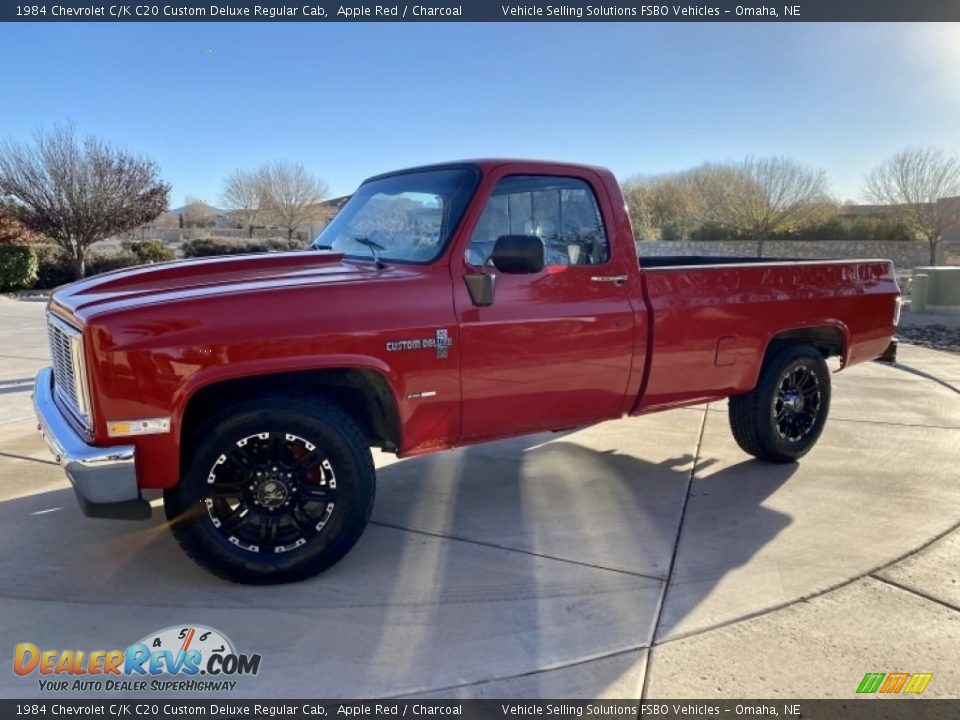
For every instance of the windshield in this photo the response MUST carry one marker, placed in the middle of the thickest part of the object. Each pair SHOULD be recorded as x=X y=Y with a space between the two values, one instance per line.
x=410 y=215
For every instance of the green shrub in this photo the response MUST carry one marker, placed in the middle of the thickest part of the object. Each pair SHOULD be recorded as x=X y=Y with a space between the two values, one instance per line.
x=843 y=229
x=886 y=229
x=106 y=262
x=149 y=251
x=53 y=267
x=714 y=232
x=18 y=267
x=206 y=247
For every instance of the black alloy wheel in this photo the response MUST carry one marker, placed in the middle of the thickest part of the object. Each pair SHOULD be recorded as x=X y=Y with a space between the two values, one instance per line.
x=274 y=490
x=782 y=418
x=796 y=404
x=271 y=492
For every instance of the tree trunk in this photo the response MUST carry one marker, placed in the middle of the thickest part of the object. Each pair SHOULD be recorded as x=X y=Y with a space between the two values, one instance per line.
x=289 y=233
x=934 y=243
x=250 y=230
x=79 y=262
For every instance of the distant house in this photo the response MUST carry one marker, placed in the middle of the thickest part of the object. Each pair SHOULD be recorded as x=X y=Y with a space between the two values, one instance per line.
x=323 y=213
x=952 y=236
x=337 y=202
x=328 y=208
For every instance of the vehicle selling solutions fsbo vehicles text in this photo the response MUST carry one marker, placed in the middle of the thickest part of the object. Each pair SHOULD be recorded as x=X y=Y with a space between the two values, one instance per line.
x=642 y=11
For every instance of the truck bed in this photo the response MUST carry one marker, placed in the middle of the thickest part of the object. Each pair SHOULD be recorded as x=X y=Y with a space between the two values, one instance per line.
x=659 y=261
x=712 y=317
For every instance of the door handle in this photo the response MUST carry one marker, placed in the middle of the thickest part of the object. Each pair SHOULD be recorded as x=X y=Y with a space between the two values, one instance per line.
x=617 y=280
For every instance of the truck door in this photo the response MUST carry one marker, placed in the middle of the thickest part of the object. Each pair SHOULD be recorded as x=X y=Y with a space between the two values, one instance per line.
x=554 y=348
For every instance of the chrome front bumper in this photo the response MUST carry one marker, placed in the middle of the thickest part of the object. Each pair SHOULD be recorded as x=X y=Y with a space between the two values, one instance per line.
x=104 y=479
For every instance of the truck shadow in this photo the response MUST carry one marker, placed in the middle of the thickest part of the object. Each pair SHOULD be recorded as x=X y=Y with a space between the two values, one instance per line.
x=487 y=562
x=615 y=515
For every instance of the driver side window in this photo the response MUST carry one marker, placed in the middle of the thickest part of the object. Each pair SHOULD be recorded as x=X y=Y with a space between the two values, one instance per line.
x=563 y=212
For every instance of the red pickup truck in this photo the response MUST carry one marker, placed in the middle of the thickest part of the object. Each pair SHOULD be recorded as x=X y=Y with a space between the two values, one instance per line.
x=442 y=306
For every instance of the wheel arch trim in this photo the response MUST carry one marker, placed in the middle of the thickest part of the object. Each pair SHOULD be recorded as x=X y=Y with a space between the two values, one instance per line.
x=816 y=333
x=264 y=370
x=820 y=334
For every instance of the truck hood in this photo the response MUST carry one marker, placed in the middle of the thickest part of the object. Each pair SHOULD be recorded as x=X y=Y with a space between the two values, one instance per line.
x=187 y=279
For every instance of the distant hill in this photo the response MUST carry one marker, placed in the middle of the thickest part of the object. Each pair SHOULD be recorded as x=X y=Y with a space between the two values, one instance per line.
x=183 y=208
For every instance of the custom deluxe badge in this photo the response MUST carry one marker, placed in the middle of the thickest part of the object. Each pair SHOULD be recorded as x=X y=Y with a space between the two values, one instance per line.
x=441 y=341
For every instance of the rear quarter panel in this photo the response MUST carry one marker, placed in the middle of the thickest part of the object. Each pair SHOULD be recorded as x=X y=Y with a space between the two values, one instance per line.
x=711 y=325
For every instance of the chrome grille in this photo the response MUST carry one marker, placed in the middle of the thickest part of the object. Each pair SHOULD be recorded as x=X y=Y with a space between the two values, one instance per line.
x=69 y=373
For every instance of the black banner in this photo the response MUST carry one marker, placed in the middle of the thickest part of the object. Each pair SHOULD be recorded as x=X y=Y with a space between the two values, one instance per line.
x=853 y=709
x=484 y=11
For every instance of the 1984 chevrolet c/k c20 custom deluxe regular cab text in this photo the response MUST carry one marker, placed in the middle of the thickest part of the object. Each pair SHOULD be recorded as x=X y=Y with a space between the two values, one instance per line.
x=442 y=306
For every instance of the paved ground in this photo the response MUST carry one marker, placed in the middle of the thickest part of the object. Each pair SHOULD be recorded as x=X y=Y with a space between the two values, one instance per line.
x=935 y=330
x=641 y=556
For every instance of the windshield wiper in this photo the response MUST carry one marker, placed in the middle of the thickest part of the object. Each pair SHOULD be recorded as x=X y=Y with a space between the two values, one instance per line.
x=373 y=246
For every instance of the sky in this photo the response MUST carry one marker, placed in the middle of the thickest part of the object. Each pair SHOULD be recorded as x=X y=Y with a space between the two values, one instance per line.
x=353 y=100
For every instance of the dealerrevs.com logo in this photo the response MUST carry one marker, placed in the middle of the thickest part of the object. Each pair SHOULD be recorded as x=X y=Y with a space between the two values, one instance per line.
x=180 y=658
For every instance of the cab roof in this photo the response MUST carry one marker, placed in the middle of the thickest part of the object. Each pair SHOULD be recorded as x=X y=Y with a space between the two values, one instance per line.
x=485 y=165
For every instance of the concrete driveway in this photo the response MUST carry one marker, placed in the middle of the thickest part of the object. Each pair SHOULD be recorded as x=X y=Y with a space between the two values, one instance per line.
x=644 y=556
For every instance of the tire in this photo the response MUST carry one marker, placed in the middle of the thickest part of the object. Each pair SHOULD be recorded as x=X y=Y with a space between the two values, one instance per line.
x=304 y=511
x=781 y=419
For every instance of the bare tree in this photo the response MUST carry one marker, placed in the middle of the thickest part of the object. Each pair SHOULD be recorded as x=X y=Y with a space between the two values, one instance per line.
x=917 y=182
x=774 y=194
x=676 y=205
x=167 y=220
x=78 y=193
x=662 y=207
x=637 y=198
x=291 y=195
x=243 y=196
x=197 y=213
x=714 y=189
